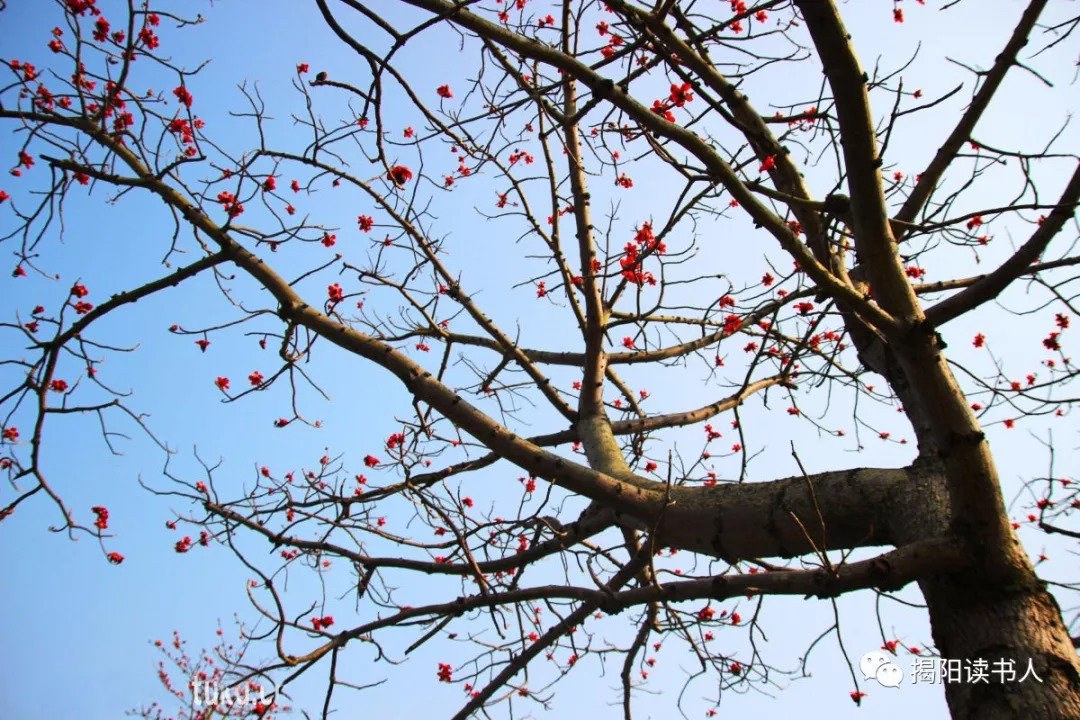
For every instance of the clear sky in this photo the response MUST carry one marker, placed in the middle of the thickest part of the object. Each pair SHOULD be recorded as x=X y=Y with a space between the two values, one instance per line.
x=79 y=632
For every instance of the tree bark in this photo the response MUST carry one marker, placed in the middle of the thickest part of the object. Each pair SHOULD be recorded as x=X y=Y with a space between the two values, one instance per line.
x=975 y=620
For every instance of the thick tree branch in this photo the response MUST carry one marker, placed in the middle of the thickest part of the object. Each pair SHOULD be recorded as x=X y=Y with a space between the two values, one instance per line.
x=869 y=213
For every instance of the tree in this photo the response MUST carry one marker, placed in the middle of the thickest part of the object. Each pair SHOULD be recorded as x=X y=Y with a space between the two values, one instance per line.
x=527 y=484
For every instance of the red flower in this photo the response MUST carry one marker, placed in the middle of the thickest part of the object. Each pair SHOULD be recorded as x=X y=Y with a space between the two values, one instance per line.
x=731 y=324
x=365 y=222
x=706 y=613
x=467 y=501
x=624 y=181
x=335 y=293
x=444 y=672
x=58 y=386
x=102 y=521
x=979 y=340
x=270 y=184
x=680 y=94
x=256 y=378
x=183 y=95
x=11 y=434
x=768 y=163
x=203 y=344
x=974 y=222
x=444 y=91
x=79 y=291
x=115 y=558
x=3 y=196
x=857 y=696
x=371 y=460
x=301 y=68
x=182 y=546
x=328 y=240
x=399 y=175
x=662 y=110
x=222 y=383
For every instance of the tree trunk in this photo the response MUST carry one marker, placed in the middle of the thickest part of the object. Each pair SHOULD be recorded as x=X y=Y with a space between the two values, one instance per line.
x=974 y=620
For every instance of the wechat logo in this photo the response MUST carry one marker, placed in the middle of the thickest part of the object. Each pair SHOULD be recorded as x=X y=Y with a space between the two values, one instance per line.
x=876 y=665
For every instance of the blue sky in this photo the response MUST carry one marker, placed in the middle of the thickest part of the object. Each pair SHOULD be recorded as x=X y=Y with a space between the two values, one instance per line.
x=80 y=632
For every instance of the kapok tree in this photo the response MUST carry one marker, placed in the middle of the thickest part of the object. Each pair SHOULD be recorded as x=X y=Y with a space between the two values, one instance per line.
x=532 y=486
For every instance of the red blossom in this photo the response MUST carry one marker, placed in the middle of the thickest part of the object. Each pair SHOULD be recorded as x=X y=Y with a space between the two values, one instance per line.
x=399 y=175
x=444 y=91
x=115 y=558
x=183 y=95
x=680 y=94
